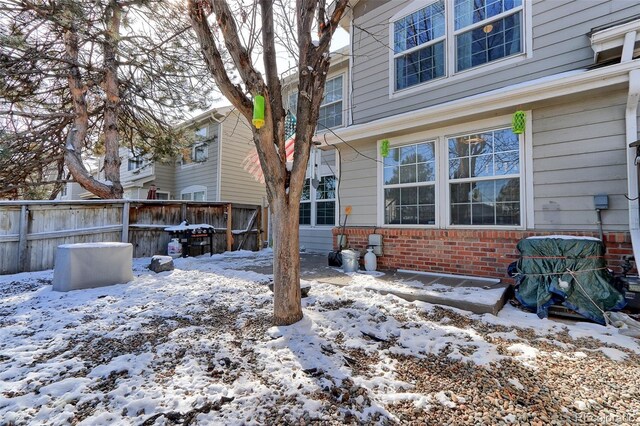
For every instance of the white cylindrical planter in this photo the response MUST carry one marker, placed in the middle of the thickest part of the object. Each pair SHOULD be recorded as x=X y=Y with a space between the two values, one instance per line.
x=370 y=260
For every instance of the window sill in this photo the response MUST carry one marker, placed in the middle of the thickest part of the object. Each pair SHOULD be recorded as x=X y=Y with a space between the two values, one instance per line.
x=190 y=165
x=442 y=81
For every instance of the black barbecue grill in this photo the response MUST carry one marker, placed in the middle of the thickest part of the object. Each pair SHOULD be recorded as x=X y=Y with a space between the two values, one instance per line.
x=200 y=235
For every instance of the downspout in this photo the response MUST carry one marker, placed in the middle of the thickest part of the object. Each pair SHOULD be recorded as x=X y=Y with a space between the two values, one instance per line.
x=631 y=120
x=350 y=82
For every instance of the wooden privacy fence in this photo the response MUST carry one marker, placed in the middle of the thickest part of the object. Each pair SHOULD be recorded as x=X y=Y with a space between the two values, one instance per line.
x=30 y=231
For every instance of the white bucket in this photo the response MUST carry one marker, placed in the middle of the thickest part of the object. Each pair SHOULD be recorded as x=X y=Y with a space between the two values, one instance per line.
x=350 y=260
x=174 y=248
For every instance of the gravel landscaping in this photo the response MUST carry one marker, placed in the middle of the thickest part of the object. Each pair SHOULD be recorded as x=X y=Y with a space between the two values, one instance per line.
x=196 y=346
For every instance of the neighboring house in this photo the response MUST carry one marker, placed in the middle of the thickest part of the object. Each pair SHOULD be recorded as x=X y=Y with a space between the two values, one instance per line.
x=209 y=170
x=73 y=191
x=437 y=83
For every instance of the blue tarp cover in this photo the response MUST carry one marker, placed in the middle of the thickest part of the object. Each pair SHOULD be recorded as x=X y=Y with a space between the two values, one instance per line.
x=543 y=278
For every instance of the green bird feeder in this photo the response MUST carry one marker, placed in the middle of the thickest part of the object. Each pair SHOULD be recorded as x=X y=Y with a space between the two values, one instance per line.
x=384 y=148
x=258 y=111
x=518 y=122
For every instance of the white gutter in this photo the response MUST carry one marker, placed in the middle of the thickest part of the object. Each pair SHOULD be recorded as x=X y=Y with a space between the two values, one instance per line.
x=631 y=120
x=507 y=97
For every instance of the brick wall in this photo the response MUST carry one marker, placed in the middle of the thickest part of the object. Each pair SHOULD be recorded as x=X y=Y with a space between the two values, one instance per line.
x=464 y=252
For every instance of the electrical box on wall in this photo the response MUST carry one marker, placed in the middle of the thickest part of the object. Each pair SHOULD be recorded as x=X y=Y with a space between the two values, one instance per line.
x=375 y=242
x=601 y=201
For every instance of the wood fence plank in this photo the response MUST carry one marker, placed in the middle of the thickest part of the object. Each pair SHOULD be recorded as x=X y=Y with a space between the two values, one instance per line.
x=22 y=245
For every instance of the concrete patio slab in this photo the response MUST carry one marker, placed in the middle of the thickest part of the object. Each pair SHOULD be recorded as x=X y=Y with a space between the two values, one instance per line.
x=477 y=295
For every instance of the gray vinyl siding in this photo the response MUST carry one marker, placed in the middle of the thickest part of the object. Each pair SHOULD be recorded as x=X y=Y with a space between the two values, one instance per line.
x=358 y=184
x=328 y=162
x=204 y=173
x=560 y=43
x=316 y=240
x=237 y=185
x=579 y=150
x=164 y=179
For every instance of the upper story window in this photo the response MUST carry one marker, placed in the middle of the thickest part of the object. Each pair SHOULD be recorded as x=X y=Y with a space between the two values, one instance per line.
x=419 y=46
x=330 y=114
x=450 y=36
x=135 y=163
x=199 y=151
x=331 y=106
x=486 y=30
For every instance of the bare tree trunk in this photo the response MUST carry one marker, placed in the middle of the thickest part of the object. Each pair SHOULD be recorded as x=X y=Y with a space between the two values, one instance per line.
x=286 y=263
x=112 y=102
x=283 y=188
x=78 y=134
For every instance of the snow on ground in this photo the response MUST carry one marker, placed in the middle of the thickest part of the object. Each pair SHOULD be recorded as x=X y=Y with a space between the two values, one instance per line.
x=196 y=345
x=477 y=295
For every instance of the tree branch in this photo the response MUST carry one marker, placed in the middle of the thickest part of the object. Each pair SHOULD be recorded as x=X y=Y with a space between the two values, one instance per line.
x=271 y=70
x=251 y=77
x=212 y=57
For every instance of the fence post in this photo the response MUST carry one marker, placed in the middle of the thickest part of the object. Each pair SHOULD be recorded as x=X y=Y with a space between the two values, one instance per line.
x=183 y=210
x=22 y=244
x=229 y=229
x=125 y=222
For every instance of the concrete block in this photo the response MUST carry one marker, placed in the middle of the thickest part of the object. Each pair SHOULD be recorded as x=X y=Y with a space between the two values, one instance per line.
x=87 y=265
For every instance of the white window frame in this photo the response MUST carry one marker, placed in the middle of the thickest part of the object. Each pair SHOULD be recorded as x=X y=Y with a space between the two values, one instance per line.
x=451 y=75
x=200 y=136
x=341 y=101
x=433 y=183
x=315 y=160
x=137 y=159
x=194 y=152
x=490 y=178
x=191 y=191
x=343 y=110
x=442 y=195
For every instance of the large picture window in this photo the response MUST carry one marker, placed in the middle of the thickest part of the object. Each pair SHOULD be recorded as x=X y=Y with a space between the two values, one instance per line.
x=450 y=36
x=409 y=184
x=484 y=178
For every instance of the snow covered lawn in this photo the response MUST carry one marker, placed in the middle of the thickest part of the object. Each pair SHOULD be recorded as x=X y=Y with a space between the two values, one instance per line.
x=196 y=346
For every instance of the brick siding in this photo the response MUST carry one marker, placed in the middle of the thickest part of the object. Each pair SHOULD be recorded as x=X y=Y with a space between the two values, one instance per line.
x=464 y=252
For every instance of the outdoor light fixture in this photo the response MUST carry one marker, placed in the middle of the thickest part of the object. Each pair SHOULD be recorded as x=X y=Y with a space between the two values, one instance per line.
x=258 y=111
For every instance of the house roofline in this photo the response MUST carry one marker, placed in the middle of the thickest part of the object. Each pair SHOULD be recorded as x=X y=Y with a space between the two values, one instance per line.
x=215 y=113
x=511 y=96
